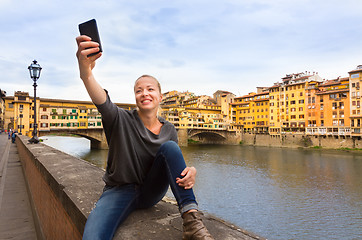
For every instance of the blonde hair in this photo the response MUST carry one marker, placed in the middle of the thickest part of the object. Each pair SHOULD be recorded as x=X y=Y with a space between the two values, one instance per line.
x=149 y=76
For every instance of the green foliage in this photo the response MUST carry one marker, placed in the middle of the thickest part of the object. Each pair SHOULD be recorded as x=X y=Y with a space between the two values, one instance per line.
x=191 y=141
x=350 y=149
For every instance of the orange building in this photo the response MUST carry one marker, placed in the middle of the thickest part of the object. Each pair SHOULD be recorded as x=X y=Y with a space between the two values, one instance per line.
x=274 y=112
x=330 y=115
x=355 y=77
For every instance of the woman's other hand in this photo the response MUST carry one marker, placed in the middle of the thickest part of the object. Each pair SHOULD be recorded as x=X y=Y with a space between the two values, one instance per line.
x=188 y=180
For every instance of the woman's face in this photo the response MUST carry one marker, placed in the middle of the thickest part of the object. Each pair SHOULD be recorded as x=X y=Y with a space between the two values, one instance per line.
x=147 y=93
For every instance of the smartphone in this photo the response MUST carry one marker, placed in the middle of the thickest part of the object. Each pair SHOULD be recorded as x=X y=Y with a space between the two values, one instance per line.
x=90 y=29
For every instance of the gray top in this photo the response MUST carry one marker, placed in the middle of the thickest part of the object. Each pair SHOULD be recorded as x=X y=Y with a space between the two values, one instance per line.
x=132 y=147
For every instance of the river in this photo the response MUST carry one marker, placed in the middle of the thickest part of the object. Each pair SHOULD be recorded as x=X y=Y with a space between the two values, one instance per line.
x=276 y=193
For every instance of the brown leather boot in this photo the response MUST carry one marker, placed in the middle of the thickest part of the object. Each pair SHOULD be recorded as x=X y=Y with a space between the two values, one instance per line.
x=194 y=228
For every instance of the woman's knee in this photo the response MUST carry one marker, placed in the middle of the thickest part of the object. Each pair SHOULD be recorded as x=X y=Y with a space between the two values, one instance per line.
x=169 y=146
x=172 y=154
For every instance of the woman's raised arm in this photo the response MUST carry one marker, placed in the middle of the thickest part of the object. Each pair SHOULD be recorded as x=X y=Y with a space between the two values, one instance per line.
x=86 y=65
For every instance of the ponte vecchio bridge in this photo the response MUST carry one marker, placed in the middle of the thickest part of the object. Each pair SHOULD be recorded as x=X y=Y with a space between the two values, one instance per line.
x=98 y=139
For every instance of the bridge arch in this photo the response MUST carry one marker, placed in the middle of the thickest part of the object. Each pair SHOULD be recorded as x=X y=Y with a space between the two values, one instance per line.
x=96 y=136
x=204 y=136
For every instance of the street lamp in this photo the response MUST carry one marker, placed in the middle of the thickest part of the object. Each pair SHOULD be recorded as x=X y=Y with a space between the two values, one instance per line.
x=21 y=118
x=34 y=70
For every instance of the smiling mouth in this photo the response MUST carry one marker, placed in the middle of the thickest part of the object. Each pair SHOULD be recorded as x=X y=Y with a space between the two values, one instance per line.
x=146 y=101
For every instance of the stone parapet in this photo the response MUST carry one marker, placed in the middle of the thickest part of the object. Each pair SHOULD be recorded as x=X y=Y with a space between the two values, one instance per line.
x=64 y=189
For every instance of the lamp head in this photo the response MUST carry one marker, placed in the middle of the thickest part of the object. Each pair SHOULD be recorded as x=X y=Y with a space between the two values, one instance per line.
x=34 y=70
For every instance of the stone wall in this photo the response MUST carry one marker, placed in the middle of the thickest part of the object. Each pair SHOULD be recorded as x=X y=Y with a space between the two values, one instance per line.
x=62 y=197
x=300 y=140
x=64 y=190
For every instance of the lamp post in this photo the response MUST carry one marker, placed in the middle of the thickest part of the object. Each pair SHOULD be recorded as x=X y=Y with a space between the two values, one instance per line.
x=21 y=124
x=34 y=70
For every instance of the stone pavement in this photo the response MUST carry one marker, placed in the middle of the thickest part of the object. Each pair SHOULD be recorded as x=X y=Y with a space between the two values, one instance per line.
x=16 y=218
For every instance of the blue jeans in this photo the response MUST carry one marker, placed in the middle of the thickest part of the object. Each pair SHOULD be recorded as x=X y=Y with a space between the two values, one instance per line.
x=116 y=203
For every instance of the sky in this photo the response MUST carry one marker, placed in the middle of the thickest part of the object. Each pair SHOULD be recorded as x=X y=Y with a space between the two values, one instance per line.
x=199 y=46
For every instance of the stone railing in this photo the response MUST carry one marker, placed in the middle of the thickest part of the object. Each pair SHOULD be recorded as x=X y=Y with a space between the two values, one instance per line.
x=64 y=189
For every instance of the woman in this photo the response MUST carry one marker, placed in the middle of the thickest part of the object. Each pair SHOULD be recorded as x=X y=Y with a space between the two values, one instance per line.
x=143 y=159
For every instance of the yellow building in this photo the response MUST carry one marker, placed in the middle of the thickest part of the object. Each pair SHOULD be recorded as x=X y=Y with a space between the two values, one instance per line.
x=227 y=114
x=274 y=109
x=170 y=98
x=2 y=110
x=185 y=110
x=19 y=115
x=175 y=98
x=355 y=78
x=287 y=103
x=243 y=114
x=52 y=114
x=252 y=112
x=261 y=112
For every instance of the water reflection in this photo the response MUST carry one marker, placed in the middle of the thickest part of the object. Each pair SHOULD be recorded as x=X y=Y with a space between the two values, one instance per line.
x=276 y=193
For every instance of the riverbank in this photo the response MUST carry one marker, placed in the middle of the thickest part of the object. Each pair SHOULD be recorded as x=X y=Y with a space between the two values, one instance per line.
x=302 y=141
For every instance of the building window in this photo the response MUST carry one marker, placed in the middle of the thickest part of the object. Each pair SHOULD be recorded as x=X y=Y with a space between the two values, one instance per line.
x=356 y=75
x=11 y=105
x=332 y=96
